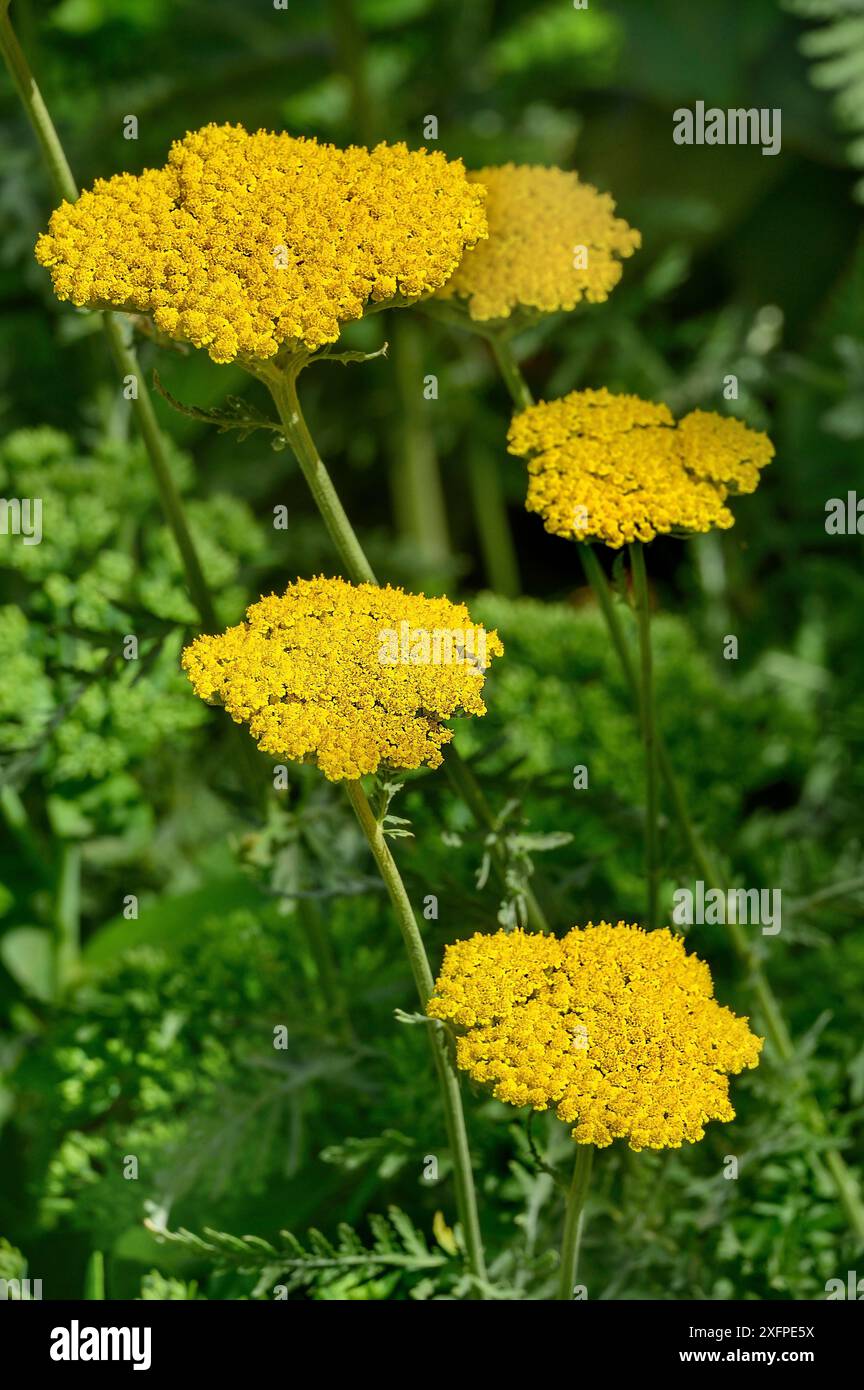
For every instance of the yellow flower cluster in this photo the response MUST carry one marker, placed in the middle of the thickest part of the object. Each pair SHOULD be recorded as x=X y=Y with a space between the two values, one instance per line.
x=553 y=241
x=244 y=242
x=615 y=1027
x=618 y=469
x=351 y=677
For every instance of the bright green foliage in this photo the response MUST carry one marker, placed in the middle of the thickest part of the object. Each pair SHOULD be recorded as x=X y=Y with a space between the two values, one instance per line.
x=346 y=1268
x=79 y=705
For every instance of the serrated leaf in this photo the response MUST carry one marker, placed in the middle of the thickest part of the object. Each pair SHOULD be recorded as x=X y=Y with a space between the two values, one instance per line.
x=237 y=414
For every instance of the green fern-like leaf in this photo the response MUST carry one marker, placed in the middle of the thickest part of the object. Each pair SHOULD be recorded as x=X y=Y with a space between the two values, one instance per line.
x=397 y=1246
x=836 y=49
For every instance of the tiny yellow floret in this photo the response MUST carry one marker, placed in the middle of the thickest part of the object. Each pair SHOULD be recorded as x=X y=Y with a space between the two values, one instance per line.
x=553 y=241
x=241 y=242
x=614 y=1027
x=350 y=676
x=617 y=469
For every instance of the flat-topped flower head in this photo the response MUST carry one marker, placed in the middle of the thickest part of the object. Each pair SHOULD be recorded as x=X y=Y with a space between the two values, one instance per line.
x=350 y=676
x=553 y=241
x=241 y=242
x=619 y=469
x=615 y=1028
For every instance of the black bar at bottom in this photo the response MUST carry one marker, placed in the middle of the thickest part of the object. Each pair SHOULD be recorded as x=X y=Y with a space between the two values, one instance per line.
x=85 y=1340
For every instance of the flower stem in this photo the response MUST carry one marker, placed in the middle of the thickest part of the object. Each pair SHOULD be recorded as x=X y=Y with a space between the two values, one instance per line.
x=31 y=98
x=116 y=327
x=126 y=360
x=510 y=370
x=649 y=740
x=573 y=1221
x=447 y=1078
x=283 y=388
x=94 y=1277
x=772 y=1014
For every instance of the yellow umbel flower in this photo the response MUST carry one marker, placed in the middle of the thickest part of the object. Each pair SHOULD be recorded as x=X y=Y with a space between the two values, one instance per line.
x=615 y=1027
x=241 y=243
x=553 y=241
x=352 y=677
x=618 y=469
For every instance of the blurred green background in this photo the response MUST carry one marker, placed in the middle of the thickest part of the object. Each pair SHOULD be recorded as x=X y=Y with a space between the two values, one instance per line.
x=115 y=780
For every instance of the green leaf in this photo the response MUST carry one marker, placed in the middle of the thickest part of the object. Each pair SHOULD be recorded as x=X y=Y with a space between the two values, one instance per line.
x=396 y=1243
x=346 y=357
x=238 y=414
x=27 y=953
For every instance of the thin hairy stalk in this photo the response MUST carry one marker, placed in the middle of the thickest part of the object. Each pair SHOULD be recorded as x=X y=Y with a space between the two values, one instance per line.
x=448 y=1080
x=116 y=327
x=649 y=739
x=573 y=1221
x=772 y=1015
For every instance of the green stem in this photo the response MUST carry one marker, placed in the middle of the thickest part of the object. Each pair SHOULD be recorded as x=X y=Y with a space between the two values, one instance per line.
x=425 y=985
x=597 y=579
x=283 y=388
x=94 y=1277
x=125 y=358
x=511 y=371
x=573 y=1221
x=67 y=942
x=116 y=327
x=772 y=1015
x=31 y=97
x=493 y=526
x=649 y=740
